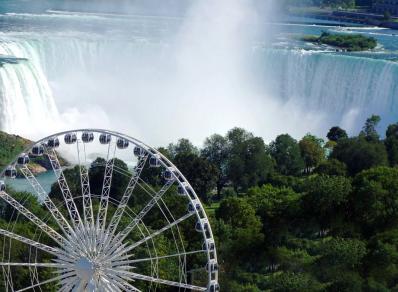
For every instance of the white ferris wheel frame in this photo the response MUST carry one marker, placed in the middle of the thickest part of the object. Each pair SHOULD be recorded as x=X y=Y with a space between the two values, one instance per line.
x=96 y=238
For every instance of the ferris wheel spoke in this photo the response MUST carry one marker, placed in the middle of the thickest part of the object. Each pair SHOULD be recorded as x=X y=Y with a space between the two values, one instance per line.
x=8 y=278
x=152 y=235
x=63 y=185
x=106 y=188
x=69 y=285
x=38 y=265
x=110 y=286
x=118 y=284
x=123 y=234
x=126 y=196
x=33 y=218
x=46 y=248
x=142 y=277
x=58 y=278
x=151 y=192
x=42 y=195
x=159 y=257
x=85 y=185
x=160 y=231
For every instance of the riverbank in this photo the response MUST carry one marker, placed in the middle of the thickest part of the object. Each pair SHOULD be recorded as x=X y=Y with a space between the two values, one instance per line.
x=360 y=16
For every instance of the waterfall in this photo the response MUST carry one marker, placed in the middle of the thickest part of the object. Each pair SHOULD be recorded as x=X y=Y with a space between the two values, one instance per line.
x=26 y=99
x=90 y=72
x=331 y=83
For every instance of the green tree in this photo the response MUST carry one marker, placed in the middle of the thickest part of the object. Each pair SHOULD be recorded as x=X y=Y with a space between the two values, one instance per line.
x=183 y=146
x=360 y=154
x=312 y=151
x=239 y=233
x=120 y=177
x=369 y=130
x=249 y=163
x=332 y=167
x=277 y=207
x=237 y=136
x=216 y=151
x=391 y=143
x=375 y=199
x=293 y=282
x=336 y=133
x=287 y=155
x=199 y=172
x=326 y=198
x=339 y=261
x=382 y=260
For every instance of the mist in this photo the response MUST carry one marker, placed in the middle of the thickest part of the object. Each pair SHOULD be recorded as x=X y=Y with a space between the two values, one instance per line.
x=186 y=74
x=192 y=83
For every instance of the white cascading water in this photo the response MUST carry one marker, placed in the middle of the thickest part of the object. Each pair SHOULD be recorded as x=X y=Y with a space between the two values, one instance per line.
x=26 y=100
x=343 y=89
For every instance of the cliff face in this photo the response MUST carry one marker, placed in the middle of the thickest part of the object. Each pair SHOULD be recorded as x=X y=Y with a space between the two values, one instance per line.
x=10 y=147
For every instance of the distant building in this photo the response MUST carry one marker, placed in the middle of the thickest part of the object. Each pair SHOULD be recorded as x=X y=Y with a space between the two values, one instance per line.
x=381 y=6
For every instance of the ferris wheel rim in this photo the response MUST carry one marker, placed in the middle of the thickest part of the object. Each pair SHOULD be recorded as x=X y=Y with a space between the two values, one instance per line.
x=164 y=161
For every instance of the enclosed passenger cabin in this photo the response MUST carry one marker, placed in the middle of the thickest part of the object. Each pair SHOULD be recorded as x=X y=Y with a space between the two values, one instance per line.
x=53 y=143
x=181 y=189
x=2 y=186
x=138 y=151
x=87 y=137
x=122 y=143
x=23 y=159
x=37 y=150
x=192 y=206
x=154 y=161
x=212 y=266
x=11 y=172
x=169 y=174
x=105 y=138
x=70 y=138
x=209 y=245
x=202 y=225
x=214 y=287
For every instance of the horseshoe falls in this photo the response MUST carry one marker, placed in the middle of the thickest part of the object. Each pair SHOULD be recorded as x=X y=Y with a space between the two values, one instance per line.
x=144 y=74
x=346 y=88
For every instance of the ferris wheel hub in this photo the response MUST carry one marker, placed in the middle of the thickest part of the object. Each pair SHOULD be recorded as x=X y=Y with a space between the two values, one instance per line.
x=85 y=269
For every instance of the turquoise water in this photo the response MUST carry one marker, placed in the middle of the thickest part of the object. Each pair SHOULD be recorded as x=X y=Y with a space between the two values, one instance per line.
x=46 y=179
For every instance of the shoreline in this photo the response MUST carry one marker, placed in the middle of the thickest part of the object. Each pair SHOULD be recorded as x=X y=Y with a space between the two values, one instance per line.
x=345 y=17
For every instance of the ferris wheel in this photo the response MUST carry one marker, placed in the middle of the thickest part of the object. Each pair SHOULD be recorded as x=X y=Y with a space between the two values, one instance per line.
x=112 y=214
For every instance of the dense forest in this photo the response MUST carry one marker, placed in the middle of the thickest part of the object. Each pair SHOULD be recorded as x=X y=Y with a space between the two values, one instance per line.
x=307 y=215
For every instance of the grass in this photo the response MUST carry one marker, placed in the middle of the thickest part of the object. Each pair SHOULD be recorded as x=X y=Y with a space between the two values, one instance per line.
x=211 y=210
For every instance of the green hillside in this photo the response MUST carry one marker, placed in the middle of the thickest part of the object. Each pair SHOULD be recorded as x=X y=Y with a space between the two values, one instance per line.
x=10 y=146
